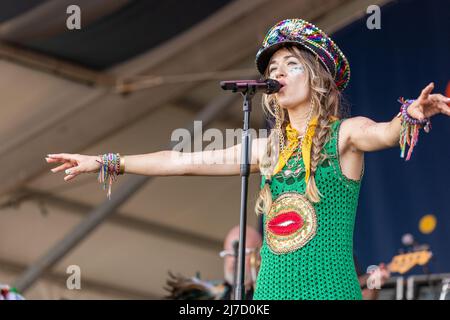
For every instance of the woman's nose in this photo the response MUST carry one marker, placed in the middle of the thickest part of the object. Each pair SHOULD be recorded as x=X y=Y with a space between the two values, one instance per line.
x=280 y=73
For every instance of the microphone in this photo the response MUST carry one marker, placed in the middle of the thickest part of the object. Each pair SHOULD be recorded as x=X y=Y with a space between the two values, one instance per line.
x=267 y=86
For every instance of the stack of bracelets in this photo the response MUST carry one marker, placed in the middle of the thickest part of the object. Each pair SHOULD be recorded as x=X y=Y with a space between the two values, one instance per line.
x=112 y=165
x=409 y=133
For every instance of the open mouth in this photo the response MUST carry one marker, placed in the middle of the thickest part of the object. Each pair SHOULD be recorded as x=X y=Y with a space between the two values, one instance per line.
x=285 y=223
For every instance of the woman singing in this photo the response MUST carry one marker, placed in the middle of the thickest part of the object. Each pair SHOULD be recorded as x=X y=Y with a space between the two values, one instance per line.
x=312 y=164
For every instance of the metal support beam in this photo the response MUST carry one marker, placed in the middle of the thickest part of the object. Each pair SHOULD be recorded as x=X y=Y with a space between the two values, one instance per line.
x=55 y=66
x=121 y=219
x=107 y=208
x=48 y=19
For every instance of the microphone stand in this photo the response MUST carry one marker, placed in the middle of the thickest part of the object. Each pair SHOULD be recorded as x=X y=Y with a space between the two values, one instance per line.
x=248 y=90
x=245 y=172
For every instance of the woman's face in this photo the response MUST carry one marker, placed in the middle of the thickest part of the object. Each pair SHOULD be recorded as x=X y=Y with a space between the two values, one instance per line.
x=291 y=73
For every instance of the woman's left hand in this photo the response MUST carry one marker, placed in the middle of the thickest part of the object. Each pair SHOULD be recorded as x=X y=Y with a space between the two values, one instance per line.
x=428 y=105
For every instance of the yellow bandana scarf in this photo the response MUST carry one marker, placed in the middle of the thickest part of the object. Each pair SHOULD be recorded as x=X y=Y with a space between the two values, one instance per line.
x=292 y=136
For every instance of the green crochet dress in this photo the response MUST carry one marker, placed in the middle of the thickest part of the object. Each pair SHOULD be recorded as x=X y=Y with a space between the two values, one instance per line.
x=317 y=260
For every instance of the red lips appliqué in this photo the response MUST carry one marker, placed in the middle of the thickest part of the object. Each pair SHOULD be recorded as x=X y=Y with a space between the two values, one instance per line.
x=286 y=223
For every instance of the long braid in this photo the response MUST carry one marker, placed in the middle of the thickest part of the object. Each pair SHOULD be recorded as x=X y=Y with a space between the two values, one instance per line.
x=271 y=153
x=328 y=104
x=318 y=142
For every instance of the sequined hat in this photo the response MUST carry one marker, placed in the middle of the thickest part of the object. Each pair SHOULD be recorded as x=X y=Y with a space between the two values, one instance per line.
x=306 y=36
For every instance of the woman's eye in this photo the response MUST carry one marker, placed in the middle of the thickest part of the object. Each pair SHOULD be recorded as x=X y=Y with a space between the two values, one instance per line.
x=291 y=63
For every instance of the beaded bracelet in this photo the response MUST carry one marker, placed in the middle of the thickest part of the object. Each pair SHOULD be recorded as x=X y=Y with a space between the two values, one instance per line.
x=112 y=165
x=409 y=133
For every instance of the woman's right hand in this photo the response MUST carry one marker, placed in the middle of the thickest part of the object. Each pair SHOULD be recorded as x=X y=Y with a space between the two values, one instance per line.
x=74 y=164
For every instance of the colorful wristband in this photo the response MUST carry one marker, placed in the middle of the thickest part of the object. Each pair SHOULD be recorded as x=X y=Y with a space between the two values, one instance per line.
x=409 y=132
x=109 y=170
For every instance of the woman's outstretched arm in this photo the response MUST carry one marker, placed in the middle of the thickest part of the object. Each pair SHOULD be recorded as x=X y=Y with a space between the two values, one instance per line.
x=365 y=134
x=223 y=162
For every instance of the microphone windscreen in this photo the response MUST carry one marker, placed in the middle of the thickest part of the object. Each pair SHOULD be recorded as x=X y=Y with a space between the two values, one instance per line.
x=272 y=86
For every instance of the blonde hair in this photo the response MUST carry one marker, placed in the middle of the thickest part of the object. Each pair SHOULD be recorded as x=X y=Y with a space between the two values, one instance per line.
x=325 y=101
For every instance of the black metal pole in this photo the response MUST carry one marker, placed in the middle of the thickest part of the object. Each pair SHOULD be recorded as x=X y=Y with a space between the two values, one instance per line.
x=245 y=172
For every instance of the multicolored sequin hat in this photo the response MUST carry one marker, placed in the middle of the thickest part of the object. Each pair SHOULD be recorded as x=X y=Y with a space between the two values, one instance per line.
x=306 y=36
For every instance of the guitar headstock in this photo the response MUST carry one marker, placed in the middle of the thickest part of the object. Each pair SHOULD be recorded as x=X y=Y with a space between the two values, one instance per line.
x=404 y=262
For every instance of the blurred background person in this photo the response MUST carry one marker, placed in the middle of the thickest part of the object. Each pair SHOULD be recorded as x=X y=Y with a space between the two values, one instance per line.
x=183 y=288
x=253 y=242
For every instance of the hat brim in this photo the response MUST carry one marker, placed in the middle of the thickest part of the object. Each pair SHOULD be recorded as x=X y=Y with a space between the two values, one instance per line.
x=264 y=57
